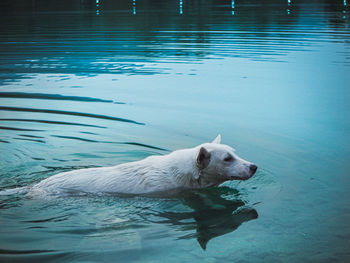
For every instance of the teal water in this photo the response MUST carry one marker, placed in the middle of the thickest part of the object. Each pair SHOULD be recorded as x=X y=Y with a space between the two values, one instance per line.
x=86 y=84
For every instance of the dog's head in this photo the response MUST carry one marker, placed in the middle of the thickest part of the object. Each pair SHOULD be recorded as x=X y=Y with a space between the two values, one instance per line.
x=218 y=163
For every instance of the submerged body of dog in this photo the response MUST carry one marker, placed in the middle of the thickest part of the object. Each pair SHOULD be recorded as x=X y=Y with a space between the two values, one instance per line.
x=206 y=165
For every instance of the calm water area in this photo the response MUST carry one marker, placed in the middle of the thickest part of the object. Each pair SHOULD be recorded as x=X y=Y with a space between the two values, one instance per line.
x=98 y=83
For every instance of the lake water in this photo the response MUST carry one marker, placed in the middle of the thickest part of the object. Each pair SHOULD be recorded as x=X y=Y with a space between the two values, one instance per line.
x=98 y=83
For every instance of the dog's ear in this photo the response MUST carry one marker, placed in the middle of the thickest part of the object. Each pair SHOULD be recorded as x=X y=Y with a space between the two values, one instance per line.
x=203 y=158
x=217 y=139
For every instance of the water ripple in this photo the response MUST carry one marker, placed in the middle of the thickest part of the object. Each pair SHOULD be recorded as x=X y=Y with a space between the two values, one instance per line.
x=27 y=139
x=82 y=114
x=44 y=96
x=18 y=129
x=74 y=138
x=127 y=143
x=19 y=252
x=54 y=122
x=51 y=219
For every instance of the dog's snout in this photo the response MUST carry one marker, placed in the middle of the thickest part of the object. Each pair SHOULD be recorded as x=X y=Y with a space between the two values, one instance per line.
x=253 y=168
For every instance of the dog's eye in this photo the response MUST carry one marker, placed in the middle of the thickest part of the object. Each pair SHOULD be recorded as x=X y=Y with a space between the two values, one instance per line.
x=229 y=158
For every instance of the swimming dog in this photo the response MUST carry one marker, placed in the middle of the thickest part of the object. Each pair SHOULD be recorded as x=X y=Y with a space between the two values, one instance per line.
x=207 y=165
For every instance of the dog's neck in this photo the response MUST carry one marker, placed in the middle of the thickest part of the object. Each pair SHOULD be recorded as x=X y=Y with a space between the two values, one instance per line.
x=182 y=168
x=187 y=178
x=185 y=172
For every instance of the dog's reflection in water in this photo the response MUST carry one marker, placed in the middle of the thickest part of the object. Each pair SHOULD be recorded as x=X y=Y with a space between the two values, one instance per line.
x=213 y=215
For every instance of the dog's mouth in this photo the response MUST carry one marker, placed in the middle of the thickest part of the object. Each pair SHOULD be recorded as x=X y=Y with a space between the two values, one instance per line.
x=243 y=178
x=232 y=178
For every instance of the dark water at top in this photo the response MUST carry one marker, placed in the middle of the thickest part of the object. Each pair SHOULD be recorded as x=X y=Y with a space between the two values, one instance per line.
x=98 y=83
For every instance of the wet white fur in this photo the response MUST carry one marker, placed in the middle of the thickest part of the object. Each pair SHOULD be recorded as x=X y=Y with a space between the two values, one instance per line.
x=178 y=169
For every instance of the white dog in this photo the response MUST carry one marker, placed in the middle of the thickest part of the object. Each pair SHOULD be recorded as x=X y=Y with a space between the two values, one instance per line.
x=206 y=165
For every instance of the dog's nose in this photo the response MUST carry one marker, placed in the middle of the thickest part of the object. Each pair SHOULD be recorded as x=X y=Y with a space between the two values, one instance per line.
x=253 y=168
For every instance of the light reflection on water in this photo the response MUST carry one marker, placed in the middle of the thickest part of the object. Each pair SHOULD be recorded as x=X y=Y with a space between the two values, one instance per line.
x=97 y=83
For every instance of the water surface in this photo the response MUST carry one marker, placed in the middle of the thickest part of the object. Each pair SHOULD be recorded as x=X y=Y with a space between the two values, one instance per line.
x=89 y=84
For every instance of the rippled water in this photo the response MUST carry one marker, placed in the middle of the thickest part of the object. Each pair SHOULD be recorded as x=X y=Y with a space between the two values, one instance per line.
x=98 y=83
